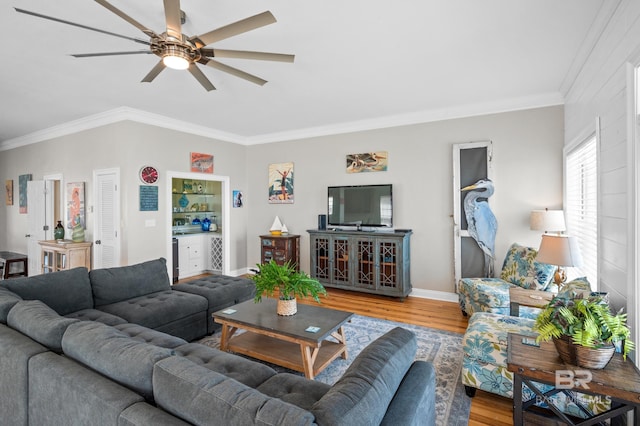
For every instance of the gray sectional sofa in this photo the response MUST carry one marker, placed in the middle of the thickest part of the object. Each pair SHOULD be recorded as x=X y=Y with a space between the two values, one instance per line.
x=66 y=361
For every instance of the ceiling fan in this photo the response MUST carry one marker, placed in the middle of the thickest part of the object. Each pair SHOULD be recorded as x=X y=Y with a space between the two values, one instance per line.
x=180 y=51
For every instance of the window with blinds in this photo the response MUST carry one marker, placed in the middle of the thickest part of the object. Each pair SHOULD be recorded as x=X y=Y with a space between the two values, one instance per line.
x=581 y=189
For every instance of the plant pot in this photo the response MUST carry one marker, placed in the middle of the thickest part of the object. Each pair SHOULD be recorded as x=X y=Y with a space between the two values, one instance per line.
x=594 y=358
x=566 y=349
x=287 y=307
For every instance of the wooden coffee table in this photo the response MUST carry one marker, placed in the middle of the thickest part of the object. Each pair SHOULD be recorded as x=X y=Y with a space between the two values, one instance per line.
x=284 y=340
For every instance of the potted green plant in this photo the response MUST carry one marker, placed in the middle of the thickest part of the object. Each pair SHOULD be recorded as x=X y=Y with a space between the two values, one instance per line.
x=588 y=325
x=289 y=284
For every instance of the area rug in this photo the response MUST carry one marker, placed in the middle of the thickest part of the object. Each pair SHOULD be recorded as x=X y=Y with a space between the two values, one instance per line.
x=443 y=349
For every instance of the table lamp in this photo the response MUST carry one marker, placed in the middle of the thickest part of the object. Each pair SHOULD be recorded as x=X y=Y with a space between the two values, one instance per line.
x=559 y=250
x=547 y=220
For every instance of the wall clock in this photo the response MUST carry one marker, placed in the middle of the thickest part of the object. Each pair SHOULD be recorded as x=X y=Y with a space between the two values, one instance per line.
x=148 y=174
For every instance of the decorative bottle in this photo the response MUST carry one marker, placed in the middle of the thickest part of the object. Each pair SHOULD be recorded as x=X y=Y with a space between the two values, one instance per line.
x=206 y=224
x=58 y=231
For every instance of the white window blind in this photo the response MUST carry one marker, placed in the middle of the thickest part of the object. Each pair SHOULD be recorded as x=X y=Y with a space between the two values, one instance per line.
x=582 y=204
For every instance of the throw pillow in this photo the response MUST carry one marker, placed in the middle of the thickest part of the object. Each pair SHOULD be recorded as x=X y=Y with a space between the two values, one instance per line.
x=521 y=268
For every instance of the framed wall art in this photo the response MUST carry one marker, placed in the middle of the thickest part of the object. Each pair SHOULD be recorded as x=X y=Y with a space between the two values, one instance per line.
x=22 y=192
x=367 y=162
x=8 y=187
x=281 y=183
x=75 y=204
x=201 y=163
x=237 y=199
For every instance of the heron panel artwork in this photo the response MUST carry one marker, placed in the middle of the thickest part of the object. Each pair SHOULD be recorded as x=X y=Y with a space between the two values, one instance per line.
x=481 y=222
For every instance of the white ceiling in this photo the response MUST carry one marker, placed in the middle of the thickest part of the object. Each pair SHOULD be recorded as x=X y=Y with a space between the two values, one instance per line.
x=359 y=64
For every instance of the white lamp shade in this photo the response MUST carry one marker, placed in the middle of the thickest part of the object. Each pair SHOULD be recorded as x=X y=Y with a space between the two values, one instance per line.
x=547 y=220
x=560 y=250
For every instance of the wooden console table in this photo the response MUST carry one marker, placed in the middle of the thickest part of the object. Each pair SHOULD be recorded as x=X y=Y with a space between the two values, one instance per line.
x=618 y=382
x=60 y=255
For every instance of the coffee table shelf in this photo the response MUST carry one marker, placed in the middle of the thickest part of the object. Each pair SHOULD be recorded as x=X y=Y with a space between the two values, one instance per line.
x=283 y=353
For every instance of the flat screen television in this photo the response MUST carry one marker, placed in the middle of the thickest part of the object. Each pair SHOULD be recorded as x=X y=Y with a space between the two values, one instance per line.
x=360 y=205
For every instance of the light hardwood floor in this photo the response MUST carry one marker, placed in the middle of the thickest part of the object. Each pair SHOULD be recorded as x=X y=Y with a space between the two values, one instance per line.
x=486 y=408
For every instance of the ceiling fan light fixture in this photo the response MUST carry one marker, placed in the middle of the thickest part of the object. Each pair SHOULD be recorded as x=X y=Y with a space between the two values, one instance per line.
x=175 y=57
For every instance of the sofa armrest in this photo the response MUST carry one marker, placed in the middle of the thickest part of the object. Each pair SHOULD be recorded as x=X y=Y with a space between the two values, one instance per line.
x=415 y=401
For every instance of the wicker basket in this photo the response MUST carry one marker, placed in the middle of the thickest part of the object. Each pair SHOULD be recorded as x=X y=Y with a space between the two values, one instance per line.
x=287 y=307
x=566 y=349
x=594 y=358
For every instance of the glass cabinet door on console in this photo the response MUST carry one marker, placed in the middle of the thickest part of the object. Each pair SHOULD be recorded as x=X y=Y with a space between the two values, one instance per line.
x=366 y=263
x=339 y=259
x=320 y=258
x=362 y=261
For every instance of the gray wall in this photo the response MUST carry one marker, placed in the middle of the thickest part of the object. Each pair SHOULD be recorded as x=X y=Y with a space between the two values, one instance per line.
x=127 y=146
x=527 y=148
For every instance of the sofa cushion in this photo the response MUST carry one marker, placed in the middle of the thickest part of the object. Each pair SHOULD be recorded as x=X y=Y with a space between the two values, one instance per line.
x=114 y=354
x=96 y=315
x=63 y=291
x=112 y=285
x=296 y=390
x=153 y=337
x=143 y=414
x=156 y=309
x=38 y=321
x=16 y=350
x=221 y=291
x=521 y=268
x=7 y=300
x=63 y=392
x=193 y=392
x=363 y=393
x=250 y=373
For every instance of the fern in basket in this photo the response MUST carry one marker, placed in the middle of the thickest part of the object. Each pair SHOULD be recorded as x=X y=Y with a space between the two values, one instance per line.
x=288 y=282
x=588 y=321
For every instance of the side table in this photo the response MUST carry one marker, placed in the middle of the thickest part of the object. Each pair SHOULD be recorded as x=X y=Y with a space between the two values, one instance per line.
x=61 y=255
x=619 y=381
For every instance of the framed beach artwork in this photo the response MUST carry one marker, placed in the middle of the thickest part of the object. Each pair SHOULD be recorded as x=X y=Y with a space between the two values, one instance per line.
x=8 y=187
x=281 y=183
x=22 y=192
x=367 y=162
x=201 y=163
x=75 y=204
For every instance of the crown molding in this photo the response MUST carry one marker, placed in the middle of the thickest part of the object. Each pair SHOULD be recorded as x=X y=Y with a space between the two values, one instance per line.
x=420 y=117
x=139 y=116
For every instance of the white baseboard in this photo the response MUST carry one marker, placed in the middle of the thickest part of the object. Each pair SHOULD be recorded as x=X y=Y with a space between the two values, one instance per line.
x=435 y=295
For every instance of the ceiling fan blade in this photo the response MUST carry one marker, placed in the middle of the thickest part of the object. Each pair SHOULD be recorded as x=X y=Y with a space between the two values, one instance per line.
x=62 y=21
x=236 y=72
x=154 y=72
x=199 y=75
x=245 y=54
x=242 y=26
x=90 y=55
x=172 y=15
x=127 y=18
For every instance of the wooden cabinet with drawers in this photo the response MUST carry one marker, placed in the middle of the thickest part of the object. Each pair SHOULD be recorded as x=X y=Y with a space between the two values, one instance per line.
x=281 y=248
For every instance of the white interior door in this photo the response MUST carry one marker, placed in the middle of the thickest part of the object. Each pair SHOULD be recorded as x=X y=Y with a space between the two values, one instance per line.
x=106 y=245
x=471 y=162
x=40 y=220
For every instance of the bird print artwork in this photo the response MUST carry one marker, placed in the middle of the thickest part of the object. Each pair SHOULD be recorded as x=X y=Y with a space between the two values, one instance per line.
x=481 y=222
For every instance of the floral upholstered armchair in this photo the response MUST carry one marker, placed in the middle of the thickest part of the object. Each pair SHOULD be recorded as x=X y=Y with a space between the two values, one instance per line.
x=520 y=269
